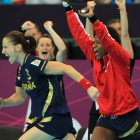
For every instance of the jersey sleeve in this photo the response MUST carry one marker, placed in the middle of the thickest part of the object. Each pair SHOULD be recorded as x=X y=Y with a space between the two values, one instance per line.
x=18 y=79
x=37 y=66
x=79 y=34
x=113 y=48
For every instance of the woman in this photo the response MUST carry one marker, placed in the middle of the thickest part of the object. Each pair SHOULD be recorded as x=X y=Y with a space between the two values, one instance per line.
x=118 y=105
x=48 y=104
x=125 y=42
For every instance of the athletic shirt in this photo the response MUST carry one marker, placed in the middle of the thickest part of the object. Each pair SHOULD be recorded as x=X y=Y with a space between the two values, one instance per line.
x=60 y=79
x=93 y=107
x=44 y=90
x=113 y=80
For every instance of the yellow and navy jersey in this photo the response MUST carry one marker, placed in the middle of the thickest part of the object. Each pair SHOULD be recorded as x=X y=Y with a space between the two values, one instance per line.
x=44 y=90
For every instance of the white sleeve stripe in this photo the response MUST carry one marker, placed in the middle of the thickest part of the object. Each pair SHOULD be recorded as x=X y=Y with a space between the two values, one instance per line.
x=108 y=32
x=82 y=25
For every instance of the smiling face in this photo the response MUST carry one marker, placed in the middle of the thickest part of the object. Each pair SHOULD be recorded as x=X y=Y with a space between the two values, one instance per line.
x=9 y=50
x=45 y=48
x=98 y=49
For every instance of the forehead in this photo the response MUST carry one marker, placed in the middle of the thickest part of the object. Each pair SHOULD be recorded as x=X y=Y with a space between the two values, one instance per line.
x=115 y=25
x=45 y=40
x=96 y=38
x=6 y=41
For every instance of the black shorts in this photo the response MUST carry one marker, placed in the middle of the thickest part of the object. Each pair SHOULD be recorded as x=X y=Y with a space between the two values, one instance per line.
x=57 y=125
x=126 y=126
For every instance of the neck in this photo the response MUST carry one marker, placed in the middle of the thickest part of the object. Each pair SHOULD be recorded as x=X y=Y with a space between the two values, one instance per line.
x=21 y=58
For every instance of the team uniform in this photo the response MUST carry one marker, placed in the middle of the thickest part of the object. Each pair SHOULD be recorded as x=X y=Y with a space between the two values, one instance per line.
x=117 y=100
x=60 y=79
x=94 y=113
x=49 y=110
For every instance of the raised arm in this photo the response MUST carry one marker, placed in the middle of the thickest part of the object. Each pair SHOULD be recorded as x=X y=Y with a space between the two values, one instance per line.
x=27 y=25
x=89 y=27
x=56 y=68
x=16 y=99
x=125 y=39
x=114 y=49
x=78 y=32
x=61 y=54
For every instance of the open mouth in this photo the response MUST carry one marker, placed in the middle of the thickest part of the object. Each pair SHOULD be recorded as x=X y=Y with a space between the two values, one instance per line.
x=7 y=55
x=44 y=52
x=96 y=52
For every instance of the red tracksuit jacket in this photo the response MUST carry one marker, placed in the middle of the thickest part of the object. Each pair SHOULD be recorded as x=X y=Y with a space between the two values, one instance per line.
x=113 y=80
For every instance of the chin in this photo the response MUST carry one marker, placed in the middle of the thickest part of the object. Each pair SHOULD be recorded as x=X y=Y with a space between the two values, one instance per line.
x=98 y=58
x=12 y=63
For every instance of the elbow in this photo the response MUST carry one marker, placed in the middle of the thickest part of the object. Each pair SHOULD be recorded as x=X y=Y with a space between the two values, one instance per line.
x=22 y=99
x=64 y=50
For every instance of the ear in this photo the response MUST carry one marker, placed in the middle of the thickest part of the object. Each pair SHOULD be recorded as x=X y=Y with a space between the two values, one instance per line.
x=53 y=48
x=18 y=47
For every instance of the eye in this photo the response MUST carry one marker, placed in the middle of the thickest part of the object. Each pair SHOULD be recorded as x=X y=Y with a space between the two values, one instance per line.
x=4 y=47
x=98 y=42
x=48 y=45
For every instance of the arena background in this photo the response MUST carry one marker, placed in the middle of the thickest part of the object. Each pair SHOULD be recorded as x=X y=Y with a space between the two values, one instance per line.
x=12 y=17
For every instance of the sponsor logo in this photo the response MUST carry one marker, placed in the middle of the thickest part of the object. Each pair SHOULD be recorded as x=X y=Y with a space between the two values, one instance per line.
x=36 y=62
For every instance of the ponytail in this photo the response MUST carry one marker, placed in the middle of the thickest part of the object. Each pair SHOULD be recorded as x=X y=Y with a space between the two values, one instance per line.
x=31 y=45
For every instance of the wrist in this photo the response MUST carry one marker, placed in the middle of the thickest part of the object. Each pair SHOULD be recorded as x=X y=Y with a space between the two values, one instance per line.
x=48 y=28
x=21 y=29
x=85 y=83
x=93 y=19
x=122 y=6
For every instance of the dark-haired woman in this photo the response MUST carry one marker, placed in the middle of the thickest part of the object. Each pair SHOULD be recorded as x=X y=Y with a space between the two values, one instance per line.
x=51 y=114
x=126 y=44
x=120 y=116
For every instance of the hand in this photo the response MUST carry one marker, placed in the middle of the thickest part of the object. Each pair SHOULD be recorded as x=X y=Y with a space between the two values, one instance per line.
x=1 y=103
x=120 y=3
x=28 y=25
x=48 y=24
x=86 y=12
x=93 y=93
x=91 y=4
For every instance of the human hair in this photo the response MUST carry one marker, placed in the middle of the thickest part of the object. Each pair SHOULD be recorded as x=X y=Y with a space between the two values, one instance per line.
x=114 y=34
x=115 y=20
x=46 y=36
x=28 y=43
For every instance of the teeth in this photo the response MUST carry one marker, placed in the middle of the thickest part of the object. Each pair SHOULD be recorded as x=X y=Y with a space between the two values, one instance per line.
x=95 y=51
x=7 y=55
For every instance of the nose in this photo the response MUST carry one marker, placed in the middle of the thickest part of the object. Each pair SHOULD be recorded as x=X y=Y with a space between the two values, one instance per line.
x=3 y=51
x=95 y=45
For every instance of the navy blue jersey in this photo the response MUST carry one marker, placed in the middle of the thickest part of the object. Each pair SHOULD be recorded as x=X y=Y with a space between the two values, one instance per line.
x=44 y=90
x=60 y=79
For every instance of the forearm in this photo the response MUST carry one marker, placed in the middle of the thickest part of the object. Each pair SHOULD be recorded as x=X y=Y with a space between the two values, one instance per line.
x=124 y=20
x=71 y=72
x=89 y=28
x=57 y=39
x=125 y=39
x=13 y=100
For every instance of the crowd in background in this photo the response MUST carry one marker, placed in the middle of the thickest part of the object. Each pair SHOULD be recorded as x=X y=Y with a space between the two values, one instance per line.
x=59 y=1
